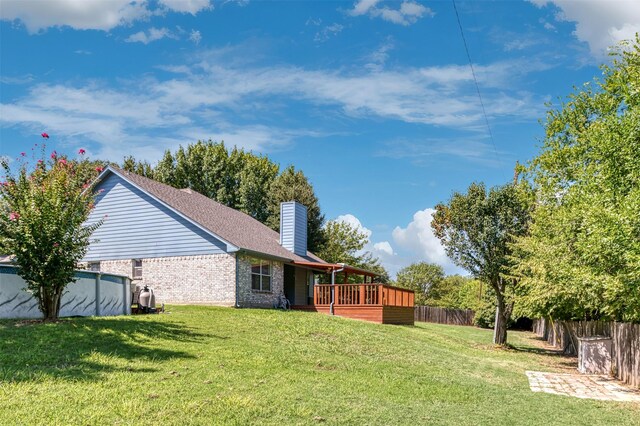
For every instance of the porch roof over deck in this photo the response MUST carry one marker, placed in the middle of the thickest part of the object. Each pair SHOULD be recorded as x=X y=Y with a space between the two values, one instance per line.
x=335 y=267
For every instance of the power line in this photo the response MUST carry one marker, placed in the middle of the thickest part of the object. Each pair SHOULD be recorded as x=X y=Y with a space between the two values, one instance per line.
x=475 y=80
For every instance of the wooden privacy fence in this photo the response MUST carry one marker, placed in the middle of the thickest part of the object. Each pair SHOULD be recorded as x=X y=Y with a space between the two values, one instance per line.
x=444 y=315
x=625 y=342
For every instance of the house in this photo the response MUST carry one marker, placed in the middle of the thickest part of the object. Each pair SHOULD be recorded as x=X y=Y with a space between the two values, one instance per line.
x=192 y=249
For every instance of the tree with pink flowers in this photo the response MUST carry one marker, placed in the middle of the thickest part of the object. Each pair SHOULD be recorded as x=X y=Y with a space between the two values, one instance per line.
x=43 y=210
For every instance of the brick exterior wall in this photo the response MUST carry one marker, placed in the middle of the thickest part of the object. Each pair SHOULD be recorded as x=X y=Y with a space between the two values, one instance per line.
x=208 y=279
x=256 y=299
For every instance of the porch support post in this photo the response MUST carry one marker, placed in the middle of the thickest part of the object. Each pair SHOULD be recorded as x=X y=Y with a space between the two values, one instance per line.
x=333 y=287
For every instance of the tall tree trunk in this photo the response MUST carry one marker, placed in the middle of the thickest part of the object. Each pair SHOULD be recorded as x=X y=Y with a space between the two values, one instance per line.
x=500 y=327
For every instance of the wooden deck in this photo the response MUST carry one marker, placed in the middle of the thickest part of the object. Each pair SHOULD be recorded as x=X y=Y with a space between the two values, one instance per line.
x=379 y=303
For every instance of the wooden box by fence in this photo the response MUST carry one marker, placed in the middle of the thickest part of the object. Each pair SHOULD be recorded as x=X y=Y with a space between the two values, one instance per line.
x=444 y=315
x=625 y=338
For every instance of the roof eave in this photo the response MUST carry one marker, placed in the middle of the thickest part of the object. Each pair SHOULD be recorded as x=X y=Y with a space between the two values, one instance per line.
x=337 y=266
x=266 y=255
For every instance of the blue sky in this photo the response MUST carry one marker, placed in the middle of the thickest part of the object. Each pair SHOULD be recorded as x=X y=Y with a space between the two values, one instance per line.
x=373 y=100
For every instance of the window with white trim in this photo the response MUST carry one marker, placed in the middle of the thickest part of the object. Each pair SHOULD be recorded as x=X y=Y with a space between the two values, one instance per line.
x=260 y=275
x=137 y=268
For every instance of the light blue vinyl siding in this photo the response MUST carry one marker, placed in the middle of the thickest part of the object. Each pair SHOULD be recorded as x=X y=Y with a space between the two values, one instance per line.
x=293 y=227
x=138 y=226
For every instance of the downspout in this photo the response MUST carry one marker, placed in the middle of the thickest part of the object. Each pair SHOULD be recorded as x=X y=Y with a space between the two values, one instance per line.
x=333 y=288
x=237 y=284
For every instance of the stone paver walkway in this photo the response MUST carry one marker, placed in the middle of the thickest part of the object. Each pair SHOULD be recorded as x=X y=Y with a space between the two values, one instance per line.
x=581 y=386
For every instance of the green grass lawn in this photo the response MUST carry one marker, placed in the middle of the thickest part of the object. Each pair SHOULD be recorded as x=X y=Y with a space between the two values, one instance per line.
x=205 y=365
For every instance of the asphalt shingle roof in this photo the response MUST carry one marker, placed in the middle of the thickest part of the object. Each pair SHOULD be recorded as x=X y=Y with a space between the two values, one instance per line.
x=232 y=225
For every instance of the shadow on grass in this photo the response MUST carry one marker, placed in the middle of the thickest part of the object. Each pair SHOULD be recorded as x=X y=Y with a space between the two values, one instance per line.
x=86 y=348
x=539 y=351
x=559 y=359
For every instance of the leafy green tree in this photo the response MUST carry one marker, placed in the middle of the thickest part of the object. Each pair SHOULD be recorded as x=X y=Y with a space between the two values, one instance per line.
x=422 y=278
x=256 y=178
x=235 y=178
x=470 y=292
x=477 y=228
x=446 y=292
x=454 y=292
x=231 y=178
x=478 y=297
x=201 y=166
x=582 y=257
x=43 y=210
x=485 y=309
x=184 y=175
x=293 y=185
x=373 y=264
x=141 y=168
x=344 y=243
x=165 y=170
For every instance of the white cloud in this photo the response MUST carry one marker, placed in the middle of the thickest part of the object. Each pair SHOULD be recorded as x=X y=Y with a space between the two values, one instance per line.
x=362 y=7
x=354 y=222
x=38 y=15
x=547 y=25
x=395 y=94
x=381 y=250
x=176 y=69
x=195 y=37
x=152 y=34
x=327 y=32
x=378 y=58
x=218 y=89
x=520 y=43
x=187 y=6
x=253 y=137
x=142 y=118
x=413 y=9
x=24 y=79
x=384 y=247
x=415 y=243
x=79 y=14
x=313 y=21
x=475 y=149
x=417 y=238
x=599 y=23
x=241 y=3
x=408 y=13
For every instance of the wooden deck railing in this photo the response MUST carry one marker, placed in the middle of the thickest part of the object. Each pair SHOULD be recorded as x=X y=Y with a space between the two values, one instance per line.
x=362 y=294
